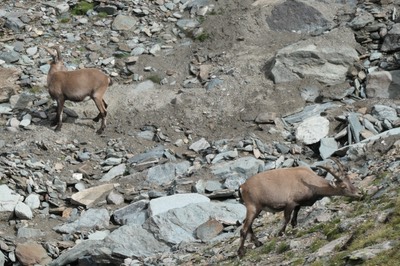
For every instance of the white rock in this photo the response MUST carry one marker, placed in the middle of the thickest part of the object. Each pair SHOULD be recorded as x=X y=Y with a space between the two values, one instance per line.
x=8 y=198
x=13 y=122
x=26 y=120
x=33 y=201
x=163 y=204
x=23 y=211
x=32 y=50
x=62 y=8
x=312 y=130
x=99 y=235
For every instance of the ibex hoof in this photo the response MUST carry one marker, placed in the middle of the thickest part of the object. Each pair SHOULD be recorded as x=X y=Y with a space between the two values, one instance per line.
x=100 y=131
x=241 y=253
x=258 y=243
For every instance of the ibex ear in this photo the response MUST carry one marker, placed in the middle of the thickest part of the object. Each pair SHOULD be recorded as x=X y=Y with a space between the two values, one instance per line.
x=51 y=52
x=332 y=183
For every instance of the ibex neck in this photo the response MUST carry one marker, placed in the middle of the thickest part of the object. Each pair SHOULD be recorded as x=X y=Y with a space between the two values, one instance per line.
x=328 y=190
x=57 y=66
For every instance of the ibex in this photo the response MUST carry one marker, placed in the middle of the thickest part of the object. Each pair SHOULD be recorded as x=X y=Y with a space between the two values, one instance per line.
x=287 y=190
x=76 y=86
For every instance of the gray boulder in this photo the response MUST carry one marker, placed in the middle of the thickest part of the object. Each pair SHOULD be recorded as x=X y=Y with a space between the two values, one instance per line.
x=391 y=41
x=163 y=204
x=383 y=84
x=244 y=167
x=312 y=130
x=177 y=225
x=326 y=58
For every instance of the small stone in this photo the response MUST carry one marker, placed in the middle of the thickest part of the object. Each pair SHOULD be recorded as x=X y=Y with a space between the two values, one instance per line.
x=33 y=201
x=266 y=118
x=199 y=145
x=115 y=198
x=209 y=230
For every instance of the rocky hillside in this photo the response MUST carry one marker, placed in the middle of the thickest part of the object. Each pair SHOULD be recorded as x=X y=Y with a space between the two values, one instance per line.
x=205 y=94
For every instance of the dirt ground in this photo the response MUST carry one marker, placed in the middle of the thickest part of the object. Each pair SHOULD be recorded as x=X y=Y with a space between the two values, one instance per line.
x=239 y=46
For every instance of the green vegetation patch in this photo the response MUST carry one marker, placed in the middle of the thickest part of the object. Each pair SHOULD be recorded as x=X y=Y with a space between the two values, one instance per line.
x=35 y=89
x=102 y=15
x=269 y=246
x=317 y=244
x=65 y=20
x=371 y=232
x=298 y=262
x=155 y=78
x=332 y=230
x=202 y=37
x=82 y=8
x=120 y=54
x=317 y=228
x=387 y=258
x=282 y=247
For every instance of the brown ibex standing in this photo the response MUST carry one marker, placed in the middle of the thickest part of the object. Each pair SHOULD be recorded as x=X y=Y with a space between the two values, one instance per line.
x=76 y=86
x=287 y=190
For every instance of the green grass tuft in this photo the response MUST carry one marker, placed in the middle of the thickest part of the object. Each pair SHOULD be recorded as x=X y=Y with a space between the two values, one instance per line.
x=155 y=78
x=269 y=246
x=82 y=8
x=35 y=89
x=202 y=37
x=282 y=247
x=65 y=20
x=102 y=15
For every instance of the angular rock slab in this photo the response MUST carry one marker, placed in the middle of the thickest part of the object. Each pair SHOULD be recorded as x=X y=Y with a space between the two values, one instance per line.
x=165 y=173
x=333 y=245
x=164 y=204
x=243 y=167
x=91 y=195
x=371 y=251
x=177 y=225
x=133 y=240
x=383 y=112
x=355 y=126
x=134 y=213
x=114 y=172
x=391 y=41
x=325 y=58
x=383 y=84
x=328 y=147
x=126 y=241
x=92 y=218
